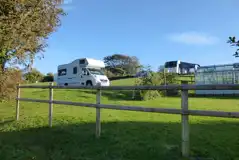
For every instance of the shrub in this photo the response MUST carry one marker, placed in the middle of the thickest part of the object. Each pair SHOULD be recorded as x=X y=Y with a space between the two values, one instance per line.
x=167 y=79
x=34 y=76
x=153 y=79
x=8 y=82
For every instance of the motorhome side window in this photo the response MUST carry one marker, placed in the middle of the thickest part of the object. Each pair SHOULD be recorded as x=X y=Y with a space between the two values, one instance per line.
x=84 y=71
x=82 y=61
x=62 y=72
x=75 y=70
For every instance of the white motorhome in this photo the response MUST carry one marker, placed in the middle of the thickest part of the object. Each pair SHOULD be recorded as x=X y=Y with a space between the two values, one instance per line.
x=84 y=72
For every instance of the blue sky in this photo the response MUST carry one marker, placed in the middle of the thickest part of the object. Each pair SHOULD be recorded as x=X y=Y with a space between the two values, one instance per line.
x=153 y=30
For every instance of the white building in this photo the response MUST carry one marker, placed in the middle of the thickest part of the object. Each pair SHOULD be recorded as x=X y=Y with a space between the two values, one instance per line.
x=218 y=74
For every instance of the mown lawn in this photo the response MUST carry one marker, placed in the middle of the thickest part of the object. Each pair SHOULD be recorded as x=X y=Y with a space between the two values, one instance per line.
x=125 y=135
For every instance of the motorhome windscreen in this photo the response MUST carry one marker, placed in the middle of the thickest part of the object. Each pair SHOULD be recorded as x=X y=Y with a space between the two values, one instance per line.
x=171 y=64
x=95 y=71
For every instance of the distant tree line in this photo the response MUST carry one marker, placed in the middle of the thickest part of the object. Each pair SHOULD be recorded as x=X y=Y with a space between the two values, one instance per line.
x=36 y=76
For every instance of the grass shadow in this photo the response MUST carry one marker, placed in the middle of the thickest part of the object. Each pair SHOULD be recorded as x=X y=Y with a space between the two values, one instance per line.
x=215 y=96
x=113 y=95
x=120 y=141
x=125 y=95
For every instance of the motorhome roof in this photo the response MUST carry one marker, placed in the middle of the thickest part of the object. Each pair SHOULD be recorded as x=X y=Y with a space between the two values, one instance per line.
x=93 y=63
x=218 y=65
x=88 y=62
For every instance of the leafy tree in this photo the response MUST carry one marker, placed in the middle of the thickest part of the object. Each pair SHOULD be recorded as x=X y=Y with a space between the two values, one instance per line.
x=48 y=78
x=116 y=71
x=50 y=74
x=119 y=64
x=8 y=82
x=109 y=74
x=24 y=27
x=234 y=42
x=133 y=65
x=33 y=76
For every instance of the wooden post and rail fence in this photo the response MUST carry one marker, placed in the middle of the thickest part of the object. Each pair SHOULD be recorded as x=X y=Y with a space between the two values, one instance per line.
x=184 y=111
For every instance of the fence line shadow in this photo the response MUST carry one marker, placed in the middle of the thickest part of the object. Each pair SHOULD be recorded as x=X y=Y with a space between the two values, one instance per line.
x=127 y=95
x=120 y=140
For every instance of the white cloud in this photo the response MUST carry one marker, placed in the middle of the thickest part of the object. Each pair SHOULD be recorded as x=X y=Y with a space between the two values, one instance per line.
x=195 y=38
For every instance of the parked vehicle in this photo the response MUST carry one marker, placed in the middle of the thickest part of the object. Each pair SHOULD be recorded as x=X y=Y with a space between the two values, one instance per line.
x=180 y=67
x=83 y=72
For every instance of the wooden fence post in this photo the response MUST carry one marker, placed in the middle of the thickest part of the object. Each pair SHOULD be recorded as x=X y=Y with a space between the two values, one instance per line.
x=185 y=124
x=18 y=101
x=98 y=126
x=50 y=104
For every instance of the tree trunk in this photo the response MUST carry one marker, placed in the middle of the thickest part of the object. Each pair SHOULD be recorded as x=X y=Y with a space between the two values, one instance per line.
x=3 y=60
x=2 y=65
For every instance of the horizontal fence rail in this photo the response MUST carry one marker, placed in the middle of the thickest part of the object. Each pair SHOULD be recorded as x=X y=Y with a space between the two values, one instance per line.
x=160 y=87
x=185 y=112
x=140 y=109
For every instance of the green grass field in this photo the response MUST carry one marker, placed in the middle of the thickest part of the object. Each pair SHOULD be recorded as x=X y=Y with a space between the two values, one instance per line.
x=125 y=135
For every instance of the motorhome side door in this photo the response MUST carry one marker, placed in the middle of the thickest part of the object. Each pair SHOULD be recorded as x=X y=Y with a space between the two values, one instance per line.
x=84 y=76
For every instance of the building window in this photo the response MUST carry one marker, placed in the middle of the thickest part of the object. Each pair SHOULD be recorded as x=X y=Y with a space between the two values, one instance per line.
x=62 y=72
x=75 y=70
